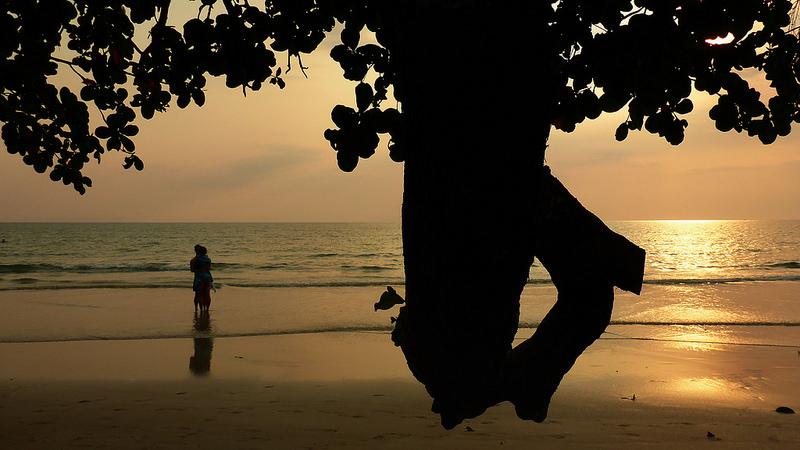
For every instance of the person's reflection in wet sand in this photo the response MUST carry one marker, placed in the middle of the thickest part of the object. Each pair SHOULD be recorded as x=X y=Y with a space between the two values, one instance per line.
x=200 y=362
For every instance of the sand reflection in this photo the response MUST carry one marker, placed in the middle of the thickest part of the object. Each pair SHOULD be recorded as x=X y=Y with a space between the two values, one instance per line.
x=200 y=361
x=713 y=388
x=692 y=305
x=697 y=337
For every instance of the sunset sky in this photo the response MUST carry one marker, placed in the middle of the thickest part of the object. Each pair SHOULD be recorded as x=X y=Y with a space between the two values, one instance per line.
x=263 y=158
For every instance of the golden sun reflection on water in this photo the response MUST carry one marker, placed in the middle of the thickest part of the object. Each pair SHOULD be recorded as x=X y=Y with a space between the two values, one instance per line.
x=698 y=251
x=697 y=338
x=693 y=312
x=691 y=245
x=692 y=305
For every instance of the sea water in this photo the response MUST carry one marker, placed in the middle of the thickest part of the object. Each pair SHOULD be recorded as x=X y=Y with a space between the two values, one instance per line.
x=74 y=256
x=326 y=276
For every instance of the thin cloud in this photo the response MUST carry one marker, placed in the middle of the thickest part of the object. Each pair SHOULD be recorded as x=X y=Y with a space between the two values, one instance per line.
x=250 y=170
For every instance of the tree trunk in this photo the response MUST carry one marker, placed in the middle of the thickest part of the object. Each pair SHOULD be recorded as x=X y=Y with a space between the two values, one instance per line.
x=470 y=174
x=585 y=260
x=472 y=213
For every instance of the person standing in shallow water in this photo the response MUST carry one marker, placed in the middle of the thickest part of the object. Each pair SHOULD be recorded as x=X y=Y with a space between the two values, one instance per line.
x=200 y=265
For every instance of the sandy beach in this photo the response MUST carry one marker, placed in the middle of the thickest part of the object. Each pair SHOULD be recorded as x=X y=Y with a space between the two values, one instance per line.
x=286 y=391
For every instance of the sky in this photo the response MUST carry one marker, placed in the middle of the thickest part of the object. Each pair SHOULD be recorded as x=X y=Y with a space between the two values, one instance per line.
x=263 y=158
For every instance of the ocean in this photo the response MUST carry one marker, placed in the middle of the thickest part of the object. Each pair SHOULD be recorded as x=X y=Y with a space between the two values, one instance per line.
x=76 y=256
x=325 y=277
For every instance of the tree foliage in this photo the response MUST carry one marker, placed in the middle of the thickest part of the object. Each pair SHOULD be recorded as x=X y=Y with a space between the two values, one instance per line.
x=643 y=55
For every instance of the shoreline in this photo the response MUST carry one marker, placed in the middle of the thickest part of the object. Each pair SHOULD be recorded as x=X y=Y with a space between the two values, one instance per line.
x=29 y=284
x=662 y=334
x=143 y=313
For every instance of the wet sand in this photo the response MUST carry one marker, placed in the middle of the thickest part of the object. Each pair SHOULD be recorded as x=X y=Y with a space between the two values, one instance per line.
x=143 y=313
x=353 y=390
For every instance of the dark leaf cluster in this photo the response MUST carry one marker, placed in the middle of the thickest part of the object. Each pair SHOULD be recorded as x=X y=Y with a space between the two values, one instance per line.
x=648 y=56
x=645 y=56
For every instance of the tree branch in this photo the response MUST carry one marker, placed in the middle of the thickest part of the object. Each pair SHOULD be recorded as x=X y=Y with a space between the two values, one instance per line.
x=71 y=66
x=229 y=6
x=162 y=18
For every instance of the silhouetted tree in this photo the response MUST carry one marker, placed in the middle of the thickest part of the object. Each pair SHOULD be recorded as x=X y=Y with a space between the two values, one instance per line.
x=481 y=83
